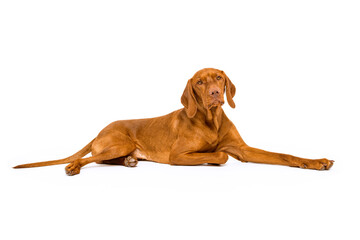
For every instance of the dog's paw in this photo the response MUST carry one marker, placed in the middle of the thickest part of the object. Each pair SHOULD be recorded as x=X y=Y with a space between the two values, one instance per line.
x=318 y=164
x=72 y=169
x=129 y=161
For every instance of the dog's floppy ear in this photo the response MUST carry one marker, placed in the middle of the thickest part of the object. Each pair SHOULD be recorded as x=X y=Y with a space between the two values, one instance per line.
x=188 y=100
x=230 y=91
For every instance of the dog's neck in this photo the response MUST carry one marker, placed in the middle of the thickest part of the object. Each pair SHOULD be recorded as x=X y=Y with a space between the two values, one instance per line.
x=212 y=117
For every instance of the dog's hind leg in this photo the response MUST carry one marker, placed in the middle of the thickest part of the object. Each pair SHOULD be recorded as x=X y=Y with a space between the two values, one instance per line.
x=128 y=161
x=109 y=147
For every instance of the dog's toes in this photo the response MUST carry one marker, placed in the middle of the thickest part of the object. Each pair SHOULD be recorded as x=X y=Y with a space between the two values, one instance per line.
x=326 y=164
x=130 y=161
x=318 y=164
x=72 y=169
x=330 y=164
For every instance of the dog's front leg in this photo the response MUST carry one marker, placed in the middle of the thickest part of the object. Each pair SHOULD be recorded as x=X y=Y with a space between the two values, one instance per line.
x=197 y=158
x=233 y=144
x=190 y=149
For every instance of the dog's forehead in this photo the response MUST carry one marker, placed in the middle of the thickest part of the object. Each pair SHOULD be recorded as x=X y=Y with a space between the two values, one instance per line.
x=207 y=72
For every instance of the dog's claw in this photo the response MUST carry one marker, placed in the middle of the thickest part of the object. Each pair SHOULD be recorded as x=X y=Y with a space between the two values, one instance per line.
x=303 y=165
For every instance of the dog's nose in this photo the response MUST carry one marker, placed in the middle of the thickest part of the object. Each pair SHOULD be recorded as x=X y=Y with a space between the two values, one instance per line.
x=214 y=92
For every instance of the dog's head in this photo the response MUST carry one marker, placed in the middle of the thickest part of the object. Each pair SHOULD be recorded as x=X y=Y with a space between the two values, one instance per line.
x=206 y=90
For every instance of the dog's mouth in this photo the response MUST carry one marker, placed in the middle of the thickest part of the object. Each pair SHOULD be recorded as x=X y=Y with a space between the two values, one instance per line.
x=215 y=103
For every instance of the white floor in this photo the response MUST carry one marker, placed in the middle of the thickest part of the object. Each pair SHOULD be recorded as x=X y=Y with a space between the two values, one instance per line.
x=156 y=201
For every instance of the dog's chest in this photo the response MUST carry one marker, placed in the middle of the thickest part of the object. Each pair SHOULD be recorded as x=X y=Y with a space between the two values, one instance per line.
x=210 y=136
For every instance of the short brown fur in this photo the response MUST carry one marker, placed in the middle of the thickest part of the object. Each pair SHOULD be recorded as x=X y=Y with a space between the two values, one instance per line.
x=197 y=134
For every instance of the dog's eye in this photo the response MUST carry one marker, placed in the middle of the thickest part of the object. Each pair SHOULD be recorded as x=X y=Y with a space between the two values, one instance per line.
x=218 y=77
x=199 y=82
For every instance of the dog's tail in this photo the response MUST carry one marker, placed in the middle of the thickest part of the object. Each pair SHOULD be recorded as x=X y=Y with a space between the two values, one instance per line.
x=79 y=154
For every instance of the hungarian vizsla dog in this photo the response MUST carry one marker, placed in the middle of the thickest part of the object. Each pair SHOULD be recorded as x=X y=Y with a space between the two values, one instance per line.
x=197 y=134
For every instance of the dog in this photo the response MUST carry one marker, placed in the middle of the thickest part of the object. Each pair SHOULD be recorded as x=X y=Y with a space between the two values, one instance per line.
x=199 y=133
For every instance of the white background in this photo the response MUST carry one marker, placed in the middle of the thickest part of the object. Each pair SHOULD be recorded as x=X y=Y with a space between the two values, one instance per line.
x=69 y=68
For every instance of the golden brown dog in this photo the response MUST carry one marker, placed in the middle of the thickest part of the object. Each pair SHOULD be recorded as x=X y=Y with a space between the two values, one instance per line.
x=197 y=134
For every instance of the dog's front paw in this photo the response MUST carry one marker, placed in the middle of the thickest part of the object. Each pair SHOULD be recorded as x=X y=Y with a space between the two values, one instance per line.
x=318 y=164
x=73 y=168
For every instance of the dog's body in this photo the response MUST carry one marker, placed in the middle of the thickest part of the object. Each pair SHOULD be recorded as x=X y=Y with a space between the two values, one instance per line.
x=197 y=134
